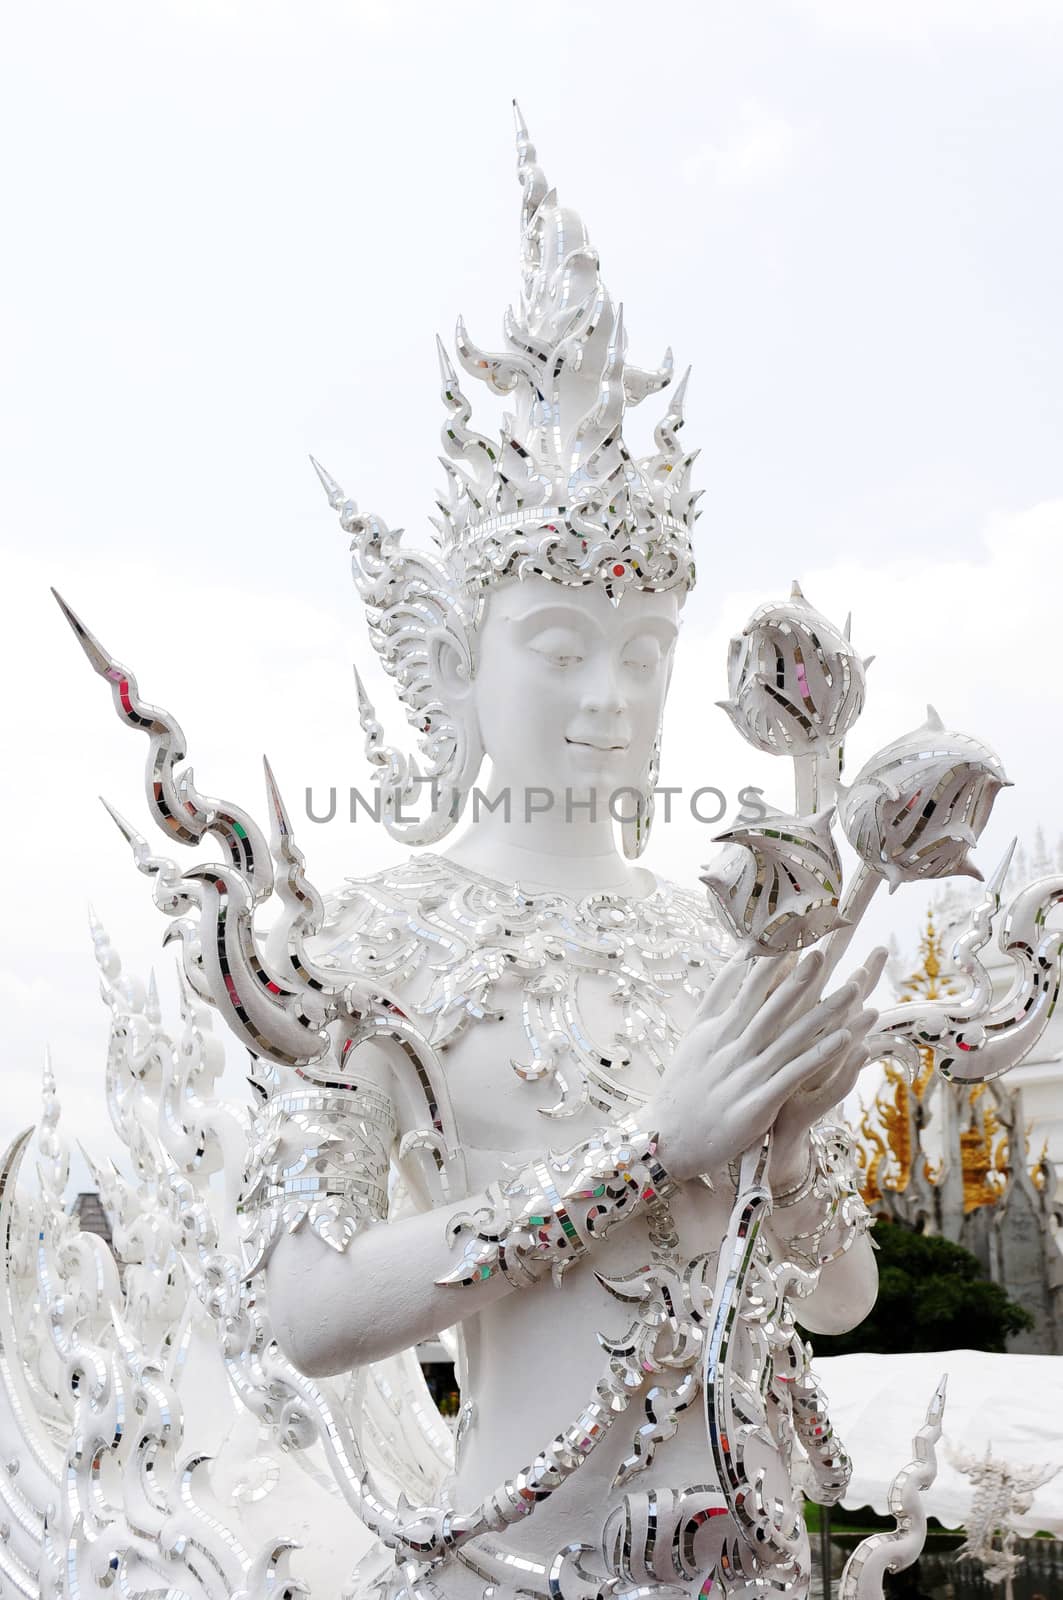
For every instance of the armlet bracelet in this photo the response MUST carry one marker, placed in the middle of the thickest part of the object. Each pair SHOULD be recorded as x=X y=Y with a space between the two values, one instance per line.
x=840 y=1215
x=543 y=1219
x=335 y=1182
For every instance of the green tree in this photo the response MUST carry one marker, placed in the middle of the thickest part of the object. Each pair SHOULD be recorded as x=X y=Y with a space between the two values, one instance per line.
x=932 y=1295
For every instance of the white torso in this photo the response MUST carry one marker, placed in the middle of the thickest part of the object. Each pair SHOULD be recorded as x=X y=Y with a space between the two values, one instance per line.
x=552 y=1014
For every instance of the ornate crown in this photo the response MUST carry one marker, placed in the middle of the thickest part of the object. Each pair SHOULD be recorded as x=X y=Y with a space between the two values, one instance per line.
x=556 y=494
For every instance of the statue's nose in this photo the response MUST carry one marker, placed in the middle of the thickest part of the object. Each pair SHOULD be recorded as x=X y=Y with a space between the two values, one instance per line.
x=607 y=701
x=603 y=694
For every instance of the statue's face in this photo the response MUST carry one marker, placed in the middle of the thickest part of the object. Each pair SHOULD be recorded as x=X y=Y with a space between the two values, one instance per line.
x=569 y=688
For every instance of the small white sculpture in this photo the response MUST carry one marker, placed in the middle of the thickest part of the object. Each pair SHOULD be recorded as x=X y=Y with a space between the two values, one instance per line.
x=880 y=1553
x=1002 y=1491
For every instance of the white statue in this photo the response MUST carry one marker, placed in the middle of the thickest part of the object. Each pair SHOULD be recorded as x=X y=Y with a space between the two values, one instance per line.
x=519 y=1086
x=1002 y=1492
x=617 y=1054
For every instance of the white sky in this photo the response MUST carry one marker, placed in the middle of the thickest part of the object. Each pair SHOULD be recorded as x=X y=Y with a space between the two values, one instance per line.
x=232 y=230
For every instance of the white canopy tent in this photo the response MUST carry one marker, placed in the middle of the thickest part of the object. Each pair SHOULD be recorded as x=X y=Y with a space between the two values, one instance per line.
x=1012 y=1402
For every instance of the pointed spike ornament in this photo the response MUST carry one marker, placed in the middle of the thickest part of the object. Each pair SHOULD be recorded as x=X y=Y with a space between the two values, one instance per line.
x=282 y=828
x=303 y=909
x=995 y=882
x=179 y=809
x=53 y=1156
x=446 y=370
x=152 y=1007
x=101 y=661
x=126 y=829
x=279 y=1014
x=340 y=503
x=170 y=884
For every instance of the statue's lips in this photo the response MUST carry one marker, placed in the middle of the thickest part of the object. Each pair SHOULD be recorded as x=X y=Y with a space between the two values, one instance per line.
x=590 y=744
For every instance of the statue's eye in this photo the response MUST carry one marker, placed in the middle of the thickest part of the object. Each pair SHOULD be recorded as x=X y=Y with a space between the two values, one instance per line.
x=561 y=647
x=643 y=654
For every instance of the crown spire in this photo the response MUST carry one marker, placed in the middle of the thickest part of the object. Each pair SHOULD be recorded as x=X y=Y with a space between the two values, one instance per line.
x=558 y=493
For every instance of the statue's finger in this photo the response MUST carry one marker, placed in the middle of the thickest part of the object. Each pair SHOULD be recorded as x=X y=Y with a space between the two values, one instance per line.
x=796 y=993
x=839 y=1009
x=809 y=1063
x=762 y=979
x=724 y=986
x=872 y=969
x=822 y=1095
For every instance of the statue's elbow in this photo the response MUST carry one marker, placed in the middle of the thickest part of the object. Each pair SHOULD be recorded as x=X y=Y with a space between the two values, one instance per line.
x=831 y=1318
x=311 y=1349
x=313 y=1328
x=845 y=1295
x=336 y=1309
x=321 y=1347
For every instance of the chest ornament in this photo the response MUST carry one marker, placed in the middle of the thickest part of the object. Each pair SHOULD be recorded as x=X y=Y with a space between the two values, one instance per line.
x=447 y=938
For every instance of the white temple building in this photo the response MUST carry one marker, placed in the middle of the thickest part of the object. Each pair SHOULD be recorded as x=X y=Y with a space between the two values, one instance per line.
x=941 y=1157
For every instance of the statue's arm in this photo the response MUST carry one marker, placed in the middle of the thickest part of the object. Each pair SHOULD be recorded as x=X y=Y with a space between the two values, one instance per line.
x=333 y=1310
x=347 y=1285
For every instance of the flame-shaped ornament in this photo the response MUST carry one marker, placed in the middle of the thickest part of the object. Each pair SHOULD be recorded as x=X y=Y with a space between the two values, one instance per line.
x=916 y=809
x=795 y=683
x=778 y=881
x=972 y=1038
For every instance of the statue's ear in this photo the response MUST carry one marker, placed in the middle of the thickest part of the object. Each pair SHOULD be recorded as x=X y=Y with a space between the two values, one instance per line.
x=451 y=670
x=450 y=665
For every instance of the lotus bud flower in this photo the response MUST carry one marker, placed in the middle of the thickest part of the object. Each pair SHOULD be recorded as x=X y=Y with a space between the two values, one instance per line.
x=796 y=684
x=917 y=808
x=779 y=881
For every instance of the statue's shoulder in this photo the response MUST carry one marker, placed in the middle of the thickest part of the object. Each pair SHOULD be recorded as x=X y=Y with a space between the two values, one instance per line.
x=365 y=911
x=402 y=884
x=386 y=926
